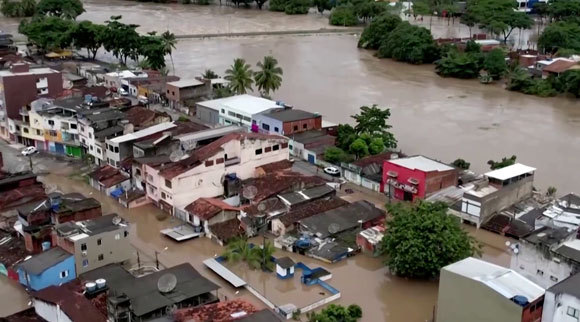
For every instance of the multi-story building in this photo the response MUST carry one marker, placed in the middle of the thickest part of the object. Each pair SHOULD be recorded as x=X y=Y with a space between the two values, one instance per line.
x=61 y=133
x=97 y=125
x=237 y=110
x=416 y=177
x=96 y=242
x=562 y=301
x=501 y=189
x=19 y=86
x=286 y=121
x=174 y=186
x=180 y=92
x=477 y=291
x=51 y=267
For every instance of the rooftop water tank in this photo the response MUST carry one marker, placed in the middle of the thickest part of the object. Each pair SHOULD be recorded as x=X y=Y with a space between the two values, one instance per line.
x=101 y=282
x=520 y=300
x=90 y=286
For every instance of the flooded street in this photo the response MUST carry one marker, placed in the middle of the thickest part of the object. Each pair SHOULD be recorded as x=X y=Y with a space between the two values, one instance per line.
x=14 y=297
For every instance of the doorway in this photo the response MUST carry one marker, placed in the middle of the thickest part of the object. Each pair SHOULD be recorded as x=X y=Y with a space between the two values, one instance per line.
x=408 y=196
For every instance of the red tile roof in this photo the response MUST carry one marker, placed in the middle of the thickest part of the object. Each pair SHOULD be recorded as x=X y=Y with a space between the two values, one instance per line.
x=309 y=209
x=276 y=166
x=218 y=312
x=207 y=151
x=108 y=176
x=72 y=302
x=28 y=315
x=378 y=159
x=559 y=66
x=139 y=115
x=279 y=182
x=17 y=197
x=227 y=230
x=207 y=208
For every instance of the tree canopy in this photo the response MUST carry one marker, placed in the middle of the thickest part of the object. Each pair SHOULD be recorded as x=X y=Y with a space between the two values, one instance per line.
x=409 y=43
x=495 y=64
x=13 y=8
x=459 y=65
x=505 y=161
x=121 y=40
x=421 y=238
x=343 y=15
x=47 y=33
x=269 y=76
x=461 y=164
x=373 y=121
x=88 y=35
x=497 y=16
x=68 y=9
x=240 y=76
x=337 y=313
x=377 y=30
x=560 y=35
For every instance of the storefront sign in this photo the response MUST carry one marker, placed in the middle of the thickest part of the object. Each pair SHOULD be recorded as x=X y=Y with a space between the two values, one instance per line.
x=402 y=186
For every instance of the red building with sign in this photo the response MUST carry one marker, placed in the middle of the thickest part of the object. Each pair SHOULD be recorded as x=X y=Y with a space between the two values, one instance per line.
x=416 y=177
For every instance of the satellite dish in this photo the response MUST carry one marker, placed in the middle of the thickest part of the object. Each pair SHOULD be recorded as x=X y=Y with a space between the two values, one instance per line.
x=167 y=283
x=250 y=192
x=261 y=207
x=333 y=228
x=176 y=155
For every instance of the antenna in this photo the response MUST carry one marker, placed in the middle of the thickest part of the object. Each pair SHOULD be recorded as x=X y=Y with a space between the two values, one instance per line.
x=333 y=228
x=176 y=155
x=250 y=192
x=166 y=283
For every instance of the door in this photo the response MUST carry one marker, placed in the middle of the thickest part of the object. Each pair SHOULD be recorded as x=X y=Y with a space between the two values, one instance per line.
x=408 y=196
x=311 y=158
x=59 y=148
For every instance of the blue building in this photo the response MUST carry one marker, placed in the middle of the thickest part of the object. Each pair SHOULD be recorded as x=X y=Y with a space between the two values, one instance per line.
x=52 y=267
x=285 y=267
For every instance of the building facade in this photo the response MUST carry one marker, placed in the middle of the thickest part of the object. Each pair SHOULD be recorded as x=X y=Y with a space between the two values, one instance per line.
x=51 y=267
x=416 y=177
x=183 y=90
x=236 y=110
x=562 y=301
x=286 y=121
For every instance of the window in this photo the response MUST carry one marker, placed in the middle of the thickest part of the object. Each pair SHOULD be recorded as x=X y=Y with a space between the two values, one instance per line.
x=101 y=257
x=125 y=234
x=276 y=130
x=116 y=149
x=91 y=148
x=90 y=135
x=172 y=93
x=266 y=126
x=290 y=147
x=38 y=132
x=573 y=312
x=117 y=236
x=85 y=262
x=239 y=116
x=258 y=151
x=138 y=172
x=98 y=151
x=99 y=242
x=168 y=183
x=64 y=273
x=73 y=126
x=295 y=127
x=51 y=122
x=247 y=119
x=230 y=113
x=276 y=147
x=82 y=128
x=540 y=272
x=163 y=195
x=17 y=128
x=553 y=278
x=304 y=126
x=223 y=111
x=167 y=91
x=83 y=247
x=25 y=129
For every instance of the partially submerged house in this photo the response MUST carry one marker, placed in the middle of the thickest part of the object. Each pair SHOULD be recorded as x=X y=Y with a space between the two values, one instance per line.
x=51 y=267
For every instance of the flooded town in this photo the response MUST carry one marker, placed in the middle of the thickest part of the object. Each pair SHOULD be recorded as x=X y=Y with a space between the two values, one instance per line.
x=189 y=161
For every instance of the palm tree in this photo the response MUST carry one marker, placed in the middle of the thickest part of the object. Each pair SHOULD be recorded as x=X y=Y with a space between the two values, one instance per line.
x=269 y=78
x=239 y=249
x=240 y=76
x=169 y=42
x=209 y=74
x=265 y=255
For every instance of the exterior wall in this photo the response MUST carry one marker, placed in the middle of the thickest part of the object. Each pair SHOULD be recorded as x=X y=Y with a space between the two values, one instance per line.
x=115 y=248
x=49 y=311
x=126 y=185
x=556 y=307
x=541 y=267
x=78 y=216
x=302 y=125
x=505 y=197
x=461 y=299
x=49 y=277
x=21 y=89
x=403 y=175
x=153 y=182
x=436 y=181
x=206 y=181
x=268 y=125
x=207 y=115
x=177 y=95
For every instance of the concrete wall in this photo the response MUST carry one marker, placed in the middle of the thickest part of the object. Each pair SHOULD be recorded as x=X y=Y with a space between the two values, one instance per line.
x=207 y=115
x=302 y=125
x=504 y=197
x=461 y=299
x=436 y=181
x=556 y=307
x=544 y=268
x=49 y=277
x=273 y=126
x=115 y=248
x=21 y=89
x=50 y=312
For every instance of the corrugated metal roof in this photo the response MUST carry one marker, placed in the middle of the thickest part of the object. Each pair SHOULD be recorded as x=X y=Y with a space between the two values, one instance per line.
x=504 y=281
x=143 y=133
x=247 y=104
x=422 y=163
x=511 y=171
x=225 y=273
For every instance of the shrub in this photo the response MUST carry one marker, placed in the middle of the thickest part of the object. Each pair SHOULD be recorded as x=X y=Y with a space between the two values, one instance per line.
x=409 y=43
x=297 y=7
x=278 y=5
x=459 y=65
x=378 y=29
x=343 y=16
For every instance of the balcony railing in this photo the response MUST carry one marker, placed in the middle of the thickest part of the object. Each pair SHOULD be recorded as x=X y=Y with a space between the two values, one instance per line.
x=232 y=161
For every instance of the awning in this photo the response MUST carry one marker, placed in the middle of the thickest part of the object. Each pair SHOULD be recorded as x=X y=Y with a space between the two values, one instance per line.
x=181 y=232
x=224 y=272
x=117 y=193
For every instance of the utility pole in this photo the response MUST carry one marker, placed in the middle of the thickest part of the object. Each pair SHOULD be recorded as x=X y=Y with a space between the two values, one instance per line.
x=156 y=260
x=30 y=161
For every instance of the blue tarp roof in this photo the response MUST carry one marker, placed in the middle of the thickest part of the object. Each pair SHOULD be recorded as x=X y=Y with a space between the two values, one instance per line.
x=117 y=193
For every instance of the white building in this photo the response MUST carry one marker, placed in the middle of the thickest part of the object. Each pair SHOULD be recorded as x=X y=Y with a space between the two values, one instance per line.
x=95 y=126
x=547 y=256
x=562 y=301
x=202 y=174
x=238 y=109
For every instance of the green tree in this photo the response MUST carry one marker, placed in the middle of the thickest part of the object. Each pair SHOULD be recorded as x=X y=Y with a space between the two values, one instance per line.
x=334 y=155
x=269 y=76
x=498 y=16
x=89 y=36
x=343 y=15
x=336 y=313
x=560 y=35
x=152 y=47
x=209 y=74
x=169 y=43
x=421 y=238
x=260 y=3
x=368 y=10
x=378 y=29
x=346 y=135
x=551 y=192
x=494 y=165
x=472 y=47
x=409 y=43
x=322 y=5
x=468 y=18
x=24 y=8
x=495 y=63
x=239 y=249
x=571 y=81
x=359 y=148
x=461 y=164
x=240 y=76
x=373 y=120
x=297 y=7
x=564 y=9
x=47 y=33
x=376 y=146
x=278 y=5
x=68 y=9
x=265 y=255
x=222 y=92
x=121 y=40
x=459 y=65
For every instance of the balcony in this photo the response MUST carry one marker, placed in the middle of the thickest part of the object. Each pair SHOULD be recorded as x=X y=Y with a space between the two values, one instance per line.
x=24 y=111
x=232 y=161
